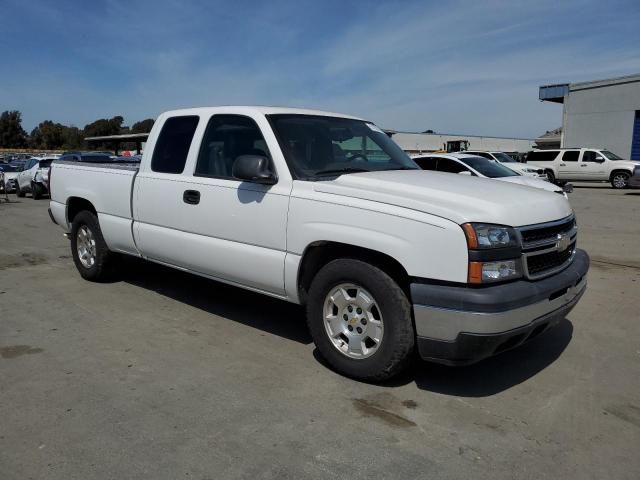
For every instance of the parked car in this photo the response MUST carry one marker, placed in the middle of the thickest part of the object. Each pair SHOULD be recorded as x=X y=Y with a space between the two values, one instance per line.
x=584 y=165
x=34 y=178
x=10 y=174
x=325 y=210
x=510 y=162
x=470 y=164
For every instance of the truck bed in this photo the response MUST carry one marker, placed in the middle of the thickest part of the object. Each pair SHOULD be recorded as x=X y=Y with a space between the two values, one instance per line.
x=108 y=187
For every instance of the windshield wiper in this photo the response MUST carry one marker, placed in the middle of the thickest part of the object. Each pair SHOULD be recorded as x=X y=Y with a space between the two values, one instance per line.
x=340 y=171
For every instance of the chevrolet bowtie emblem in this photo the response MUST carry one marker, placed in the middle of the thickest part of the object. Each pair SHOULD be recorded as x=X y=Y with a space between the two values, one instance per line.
x=562 y=242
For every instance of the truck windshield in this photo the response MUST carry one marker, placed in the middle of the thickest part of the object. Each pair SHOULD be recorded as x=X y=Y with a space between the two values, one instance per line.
x=504 y=158
x=319 y=147
x=488 y=168
x=610 y=155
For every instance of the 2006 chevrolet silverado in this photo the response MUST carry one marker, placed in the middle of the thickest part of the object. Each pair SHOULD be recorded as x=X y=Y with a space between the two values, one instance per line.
x=325 y=210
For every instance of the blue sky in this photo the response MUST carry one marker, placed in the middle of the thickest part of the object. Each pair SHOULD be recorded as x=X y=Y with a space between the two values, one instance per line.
x=462 y=67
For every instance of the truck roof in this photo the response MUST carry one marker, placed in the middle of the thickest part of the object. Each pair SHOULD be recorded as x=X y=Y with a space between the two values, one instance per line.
x=265 y=110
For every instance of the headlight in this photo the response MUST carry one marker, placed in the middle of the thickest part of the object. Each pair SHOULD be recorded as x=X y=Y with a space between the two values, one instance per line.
x=482 y=236
x=494 y=253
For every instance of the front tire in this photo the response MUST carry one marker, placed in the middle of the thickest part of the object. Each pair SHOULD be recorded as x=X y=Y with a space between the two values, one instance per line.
x=360 y=320
x=550 y=176
x=620 y=180
x=90 y=253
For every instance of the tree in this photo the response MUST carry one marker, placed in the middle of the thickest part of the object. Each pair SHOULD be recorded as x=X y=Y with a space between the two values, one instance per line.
x=53 y=136
x=47 y=135
x=103 y=127
x=12 y=135
x=428 y=131
x=73 y=138
x=143 y=126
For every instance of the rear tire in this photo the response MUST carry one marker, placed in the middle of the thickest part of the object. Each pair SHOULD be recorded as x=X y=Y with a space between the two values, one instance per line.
x=90 y=253
x=372 y=306
x=19 y=192
x=620 y=180
x=37 y=191
x=550 y=176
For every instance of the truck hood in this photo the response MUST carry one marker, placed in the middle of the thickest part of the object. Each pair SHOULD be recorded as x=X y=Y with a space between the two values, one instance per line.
x=626 y=164
x=532 y=182
x=457 y=198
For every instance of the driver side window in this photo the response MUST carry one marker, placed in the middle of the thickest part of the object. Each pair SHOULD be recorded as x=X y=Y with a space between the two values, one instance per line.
x=226 y=138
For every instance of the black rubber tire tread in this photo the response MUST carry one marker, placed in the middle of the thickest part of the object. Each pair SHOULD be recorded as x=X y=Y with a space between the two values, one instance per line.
x=19 y=192
x=104 y=268
x=618 y=173
x=550 y=176
x=399 y=336
x=36 y=191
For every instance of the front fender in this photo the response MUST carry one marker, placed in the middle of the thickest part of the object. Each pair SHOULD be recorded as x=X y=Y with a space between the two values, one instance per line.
x=426 y=246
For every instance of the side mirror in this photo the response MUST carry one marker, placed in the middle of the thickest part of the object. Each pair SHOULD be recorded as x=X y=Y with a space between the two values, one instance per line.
x=253 y=168
x=465 y=172
x=599 y=159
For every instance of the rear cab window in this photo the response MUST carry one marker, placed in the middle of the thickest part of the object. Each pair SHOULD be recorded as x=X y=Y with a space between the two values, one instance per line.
x=172 y=146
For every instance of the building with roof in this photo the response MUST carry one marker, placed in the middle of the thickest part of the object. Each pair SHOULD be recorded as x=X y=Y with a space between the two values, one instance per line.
x=599 y=114
x=450 y=142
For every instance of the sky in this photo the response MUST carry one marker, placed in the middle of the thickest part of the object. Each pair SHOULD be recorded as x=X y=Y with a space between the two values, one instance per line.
x=468 y=67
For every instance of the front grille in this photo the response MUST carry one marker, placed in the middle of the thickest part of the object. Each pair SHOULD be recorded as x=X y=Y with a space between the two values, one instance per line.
x=539 y=264
x=548 y=248
x=546 y=233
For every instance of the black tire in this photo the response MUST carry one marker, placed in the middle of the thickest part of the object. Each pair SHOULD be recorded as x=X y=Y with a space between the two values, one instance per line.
x=19 y=192
x=550 y=176
x=397 y=344
x=103 y=268
x=37 y=191
x=620 y=180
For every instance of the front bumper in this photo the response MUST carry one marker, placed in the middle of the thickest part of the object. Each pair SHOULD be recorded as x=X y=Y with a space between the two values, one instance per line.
x=462 y=325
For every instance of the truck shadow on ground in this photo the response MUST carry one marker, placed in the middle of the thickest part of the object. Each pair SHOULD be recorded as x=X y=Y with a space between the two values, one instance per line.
x=495 y=374
x=287 y=320
x=268 y=314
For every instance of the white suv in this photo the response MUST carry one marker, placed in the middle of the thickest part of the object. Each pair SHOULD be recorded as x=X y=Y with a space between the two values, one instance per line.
x=34 y=178
x=510 y=162
x=583 y=164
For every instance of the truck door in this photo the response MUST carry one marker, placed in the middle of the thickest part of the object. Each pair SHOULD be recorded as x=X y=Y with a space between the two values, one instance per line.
x=190 y=211
x=592 y=166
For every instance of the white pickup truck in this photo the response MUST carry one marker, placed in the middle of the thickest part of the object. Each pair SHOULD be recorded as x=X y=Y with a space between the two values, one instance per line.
x=324 y=210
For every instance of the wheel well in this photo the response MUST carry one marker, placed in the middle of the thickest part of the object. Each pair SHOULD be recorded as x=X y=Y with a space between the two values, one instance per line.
x=318 y=254
x=75 y=205
x=618 y=171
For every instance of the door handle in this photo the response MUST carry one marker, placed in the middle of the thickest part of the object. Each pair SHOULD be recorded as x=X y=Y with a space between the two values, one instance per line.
x=563 y=164
x=192 y=197
x=583 y=165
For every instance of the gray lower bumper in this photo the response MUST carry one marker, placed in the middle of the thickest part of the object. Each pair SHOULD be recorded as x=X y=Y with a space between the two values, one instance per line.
x=453 y=314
